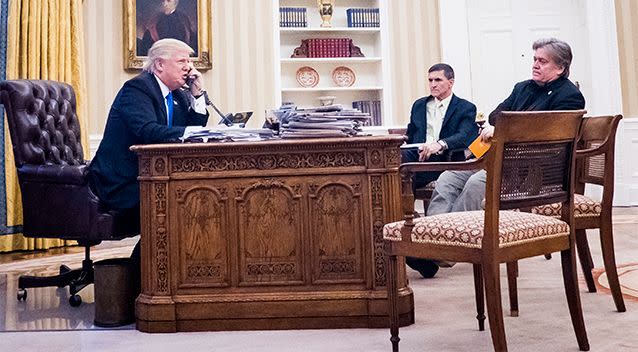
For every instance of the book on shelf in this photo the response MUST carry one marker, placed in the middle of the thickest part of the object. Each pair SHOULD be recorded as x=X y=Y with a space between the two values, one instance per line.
x=371 y=107
x=292 y=17
x=328 y=47
x=363 y=17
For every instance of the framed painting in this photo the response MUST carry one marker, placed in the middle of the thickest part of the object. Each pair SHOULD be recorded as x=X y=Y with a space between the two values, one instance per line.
x=146 y=21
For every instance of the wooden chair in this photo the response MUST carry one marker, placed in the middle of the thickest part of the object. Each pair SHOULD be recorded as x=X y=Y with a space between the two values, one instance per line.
x=530 y=163
x=594 y=165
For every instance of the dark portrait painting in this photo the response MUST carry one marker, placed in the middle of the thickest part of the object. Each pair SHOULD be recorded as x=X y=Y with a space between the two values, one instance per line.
x=159 y=19
x=146 y=21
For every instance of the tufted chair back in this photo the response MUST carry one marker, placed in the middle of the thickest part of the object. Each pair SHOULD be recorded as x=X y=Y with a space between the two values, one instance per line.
x=43 y=124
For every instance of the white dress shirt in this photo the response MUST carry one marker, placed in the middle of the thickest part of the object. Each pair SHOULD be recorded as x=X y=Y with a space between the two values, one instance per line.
x=197 y=104
x=436 y=110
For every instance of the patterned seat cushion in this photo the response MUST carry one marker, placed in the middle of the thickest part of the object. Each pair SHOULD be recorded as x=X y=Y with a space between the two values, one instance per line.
x=465 y=229
x=583 y=207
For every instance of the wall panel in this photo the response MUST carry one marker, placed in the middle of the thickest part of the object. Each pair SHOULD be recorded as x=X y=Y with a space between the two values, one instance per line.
x=414 y=47
x=626 y=10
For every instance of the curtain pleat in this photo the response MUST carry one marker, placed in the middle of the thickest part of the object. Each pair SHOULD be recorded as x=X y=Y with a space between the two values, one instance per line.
x=44 y=41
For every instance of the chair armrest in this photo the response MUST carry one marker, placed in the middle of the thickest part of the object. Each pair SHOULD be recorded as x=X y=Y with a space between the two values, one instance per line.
x=473 y=164
x=458 y=154
x=55 y=174
x=589 y=152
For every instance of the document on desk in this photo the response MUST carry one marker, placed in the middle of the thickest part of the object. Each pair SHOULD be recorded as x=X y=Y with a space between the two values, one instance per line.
x=412 y=146
x=204 y=134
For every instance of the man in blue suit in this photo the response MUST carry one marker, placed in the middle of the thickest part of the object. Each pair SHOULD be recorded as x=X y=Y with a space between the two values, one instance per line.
x=442 y=122
x=150 y=108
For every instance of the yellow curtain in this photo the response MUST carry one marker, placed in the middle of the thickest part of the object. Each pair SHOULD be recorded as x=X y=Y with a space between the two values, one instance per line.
x=44 y=41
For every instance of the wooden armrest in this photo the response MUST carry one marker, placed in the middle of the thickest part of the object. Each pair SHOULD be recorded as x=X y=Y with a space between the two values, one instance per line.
x=473 y=164
x=585 y=153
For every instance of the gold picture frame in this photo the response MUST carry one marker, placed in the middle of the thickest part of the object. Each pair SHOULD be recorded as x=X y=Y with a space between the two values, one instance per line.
x=144 y=22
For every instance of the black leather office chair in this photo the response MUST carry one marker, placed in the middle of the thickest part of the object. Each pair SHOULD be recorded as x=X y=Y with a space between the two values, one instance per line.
x=56 y=199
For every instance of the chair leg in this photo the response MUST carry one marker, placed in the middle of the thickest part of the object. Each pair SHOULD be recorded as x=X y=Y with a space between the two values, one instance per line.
x=512 y=273
x=584 y=256
x=491 y=277
x=479 y=296
x=568 y=262
x=393 y=294
x=609 y=258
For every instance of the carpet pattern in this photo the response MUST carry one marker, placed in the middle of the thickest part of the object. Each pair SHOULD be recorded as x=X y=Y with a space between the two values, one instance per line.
x=628 y=277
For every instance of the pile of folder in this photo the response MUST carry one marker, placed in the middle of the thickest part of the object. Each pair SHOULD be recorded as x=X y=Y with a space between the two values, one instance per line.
x=324 y=121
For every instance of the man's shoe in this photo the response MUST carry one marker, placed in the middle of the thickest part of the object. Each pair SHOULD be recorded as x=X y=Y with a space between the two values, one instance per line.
x=426 y=267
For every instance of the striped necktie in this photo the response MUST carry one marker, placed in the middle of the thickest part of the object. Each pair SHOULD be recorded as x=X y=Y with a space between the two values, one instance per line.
x=169 y=105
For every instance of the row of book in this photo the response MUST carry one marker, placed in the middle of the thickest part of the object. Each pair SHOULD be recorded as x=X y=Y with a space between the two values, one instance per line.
x=363 y=17
x=371 y=107
x=324 y=121
x=328 y=47
x=357 y=17
x=292 y=17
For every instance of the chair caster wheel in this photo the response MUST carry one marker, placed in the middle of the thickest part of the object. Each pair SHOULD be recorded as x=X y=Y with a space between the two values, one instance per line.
x=22 y=294
x=75 y=300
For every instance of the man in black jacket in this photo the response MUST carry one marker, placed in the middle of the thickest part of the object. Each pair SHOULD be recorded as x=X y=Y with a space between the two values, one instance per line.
x=549 y=89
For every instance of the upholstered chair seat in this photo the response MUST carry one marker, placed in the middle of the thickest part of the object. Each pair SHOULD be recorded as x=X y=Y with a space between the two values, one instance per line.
x=583 y=207
x=465 y=229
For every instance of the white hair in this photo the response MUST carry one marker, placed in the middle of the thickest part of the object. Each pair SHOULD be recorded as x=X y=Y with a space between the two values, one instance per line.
x=164 y=49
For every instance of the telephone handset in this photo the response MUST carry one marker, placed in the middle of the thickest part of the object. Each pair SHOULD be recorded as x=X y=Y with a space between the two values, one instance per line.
x=226 y=119
x=189 y=80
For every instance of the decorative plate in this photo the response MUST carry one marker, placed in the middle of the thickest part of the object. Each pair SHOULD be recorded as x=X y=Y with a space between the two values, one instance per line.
x=307 y=77
x=343 y=76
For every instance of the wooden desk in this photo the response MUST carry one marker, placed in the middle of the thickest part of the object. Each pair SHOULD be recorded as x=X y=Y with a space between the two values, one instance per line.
x=283 y=234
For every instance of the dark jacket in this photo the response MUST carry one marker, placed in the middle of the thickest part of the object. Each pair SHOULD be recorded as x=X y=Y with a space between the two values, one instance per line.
x=137 y=116
x=458 y=130
x=560 y=94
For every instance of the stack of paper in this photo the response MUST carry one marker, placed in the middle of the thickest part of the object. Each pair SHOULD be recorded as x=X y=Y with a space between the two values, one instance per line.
x=324 y=121
x=226 y=134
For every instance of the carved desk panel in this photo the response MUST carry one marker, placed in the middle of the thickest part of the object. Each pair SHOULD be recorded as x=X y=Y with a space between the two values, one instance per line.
x=267 y=235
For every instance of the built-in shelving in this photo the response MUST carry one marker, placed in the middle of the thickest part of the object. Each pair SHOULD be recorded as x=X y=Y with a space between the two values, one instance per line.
x=370 y=71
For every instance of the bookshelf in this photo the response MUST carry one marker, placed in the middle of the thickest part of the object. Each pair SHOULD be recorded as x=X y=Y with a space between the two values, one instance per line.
x=370 y=70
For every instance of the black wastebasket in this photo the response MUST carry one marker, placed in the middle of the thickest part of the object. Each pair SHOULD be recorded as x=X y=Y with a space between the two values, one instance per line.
x=115 y=292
